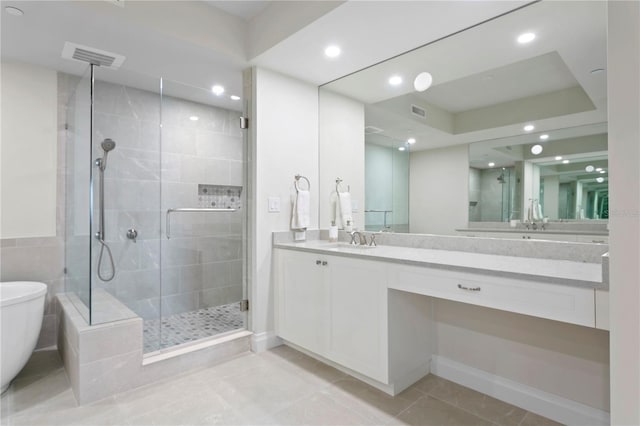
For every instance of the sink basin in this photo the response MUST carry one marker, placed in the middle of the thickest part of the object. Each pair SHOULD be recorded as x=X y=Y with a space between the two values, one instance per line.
x=347 y=246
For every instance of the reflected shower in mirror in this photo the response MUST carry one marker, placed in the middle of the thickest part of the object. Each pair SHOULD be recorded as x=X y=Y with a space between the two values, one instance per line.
x=500 y=133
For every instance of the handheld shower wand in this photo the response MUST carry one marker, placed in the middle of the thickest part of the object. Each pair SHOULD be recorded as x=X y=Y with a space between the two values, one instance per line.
x=107 y=145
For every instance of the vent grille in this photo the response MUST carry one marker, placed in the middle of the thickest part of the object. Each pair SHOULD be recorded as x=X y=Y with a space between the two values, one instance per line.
x=419 y=112
x=91 y=55
x=369 y=130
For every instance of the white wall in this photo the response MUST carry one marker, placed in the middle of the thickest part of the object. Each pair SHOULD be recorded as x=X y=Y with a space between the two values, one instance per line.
x=559 y=358
x=28 y=151
x=623 y=89
x=439 y=190
x=341 y=153
x=284 y=136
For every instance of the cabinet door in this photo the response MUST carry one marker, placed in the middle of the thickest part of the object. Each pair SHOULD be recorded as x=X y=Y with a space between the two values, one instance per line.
x=358 y=328
x=302 y=300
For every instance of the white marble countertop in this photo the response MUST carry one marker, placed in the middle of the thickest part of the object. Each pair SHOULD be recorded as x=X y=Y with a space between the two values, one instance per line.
x=543 y=270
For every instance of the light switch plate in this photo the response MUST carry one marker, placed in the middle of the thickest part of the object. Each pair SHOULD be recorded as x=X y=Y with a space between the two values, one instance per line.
x=274 y=204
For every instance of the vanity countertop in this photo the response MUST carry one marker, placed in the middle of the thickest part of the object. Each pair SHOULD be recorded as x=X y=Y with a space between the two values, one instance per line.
x=565 y=272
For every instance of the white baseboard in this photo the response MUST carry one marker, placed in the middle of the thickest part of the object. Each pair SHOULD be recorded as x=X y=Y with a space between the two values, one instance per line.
x=264 y=341
x=543 y=403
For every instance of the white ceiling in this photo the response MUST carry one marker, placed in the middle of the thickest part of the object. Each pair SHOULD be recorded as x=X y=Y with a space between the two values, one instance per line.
x=202 y=43
x=244 y=9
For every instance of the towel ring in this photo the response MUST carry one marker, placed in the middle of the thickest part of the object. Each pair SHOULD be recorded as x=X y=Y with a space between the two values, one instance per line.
x=297 y=183
x=338 y=182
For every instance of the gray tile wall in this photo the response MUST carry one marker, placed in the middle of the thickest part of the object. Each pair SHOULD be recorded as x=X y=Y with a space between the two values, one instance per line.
x=148 y=173
x=202 y=263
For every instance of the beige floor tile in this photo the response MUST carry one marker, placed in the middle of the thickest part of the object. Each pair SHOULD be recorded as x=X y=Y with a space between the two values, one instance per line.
x=532 y=419
x=370 y=402
x=477 y=403
x=428 y=411
x=318 y=409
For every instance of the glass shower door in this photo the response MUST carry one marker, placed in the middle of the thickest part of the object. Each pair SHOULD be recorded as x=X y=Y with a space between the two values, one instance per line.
x=204 y=215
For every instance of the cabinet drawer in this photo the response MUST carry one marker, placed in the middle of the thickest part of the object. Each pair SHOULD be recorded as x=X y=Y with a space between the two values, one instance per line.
x=552 y=301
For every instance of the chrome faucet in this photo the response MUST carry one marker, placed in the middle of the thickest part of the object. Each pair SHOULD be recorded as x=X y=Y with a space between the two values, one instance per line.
x=362 y=238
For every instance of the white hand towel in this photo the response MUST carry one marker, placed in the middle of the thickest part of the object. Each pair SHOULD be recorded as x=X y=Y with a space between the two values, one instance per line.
x=540 y=215
x=344 y=202
x=300 y=212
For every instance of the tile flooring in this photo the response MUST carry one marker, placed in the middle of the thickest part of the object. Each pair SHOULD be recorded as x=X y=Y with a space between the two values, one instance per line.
x=187 y=327
x=277 y=387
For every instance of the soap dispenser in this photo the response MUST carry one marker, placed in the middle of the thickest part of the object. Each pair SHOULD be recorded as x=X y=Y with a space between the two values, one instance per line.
x=333 y=232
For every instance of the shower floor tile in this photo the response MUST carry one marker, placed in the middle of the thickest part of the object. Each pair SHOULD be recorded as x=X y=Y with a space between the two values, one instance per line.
x=187 y=327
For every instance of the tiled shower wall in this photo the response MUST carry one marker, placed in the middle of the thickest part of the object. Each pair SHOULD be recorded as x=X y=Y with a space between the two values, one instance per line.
x=203 y=265
x=147 y=174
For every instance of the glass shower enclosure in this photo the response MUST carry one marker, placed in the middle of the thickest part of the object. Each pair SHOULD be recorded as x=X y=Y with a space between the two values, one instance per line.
x=155 y=208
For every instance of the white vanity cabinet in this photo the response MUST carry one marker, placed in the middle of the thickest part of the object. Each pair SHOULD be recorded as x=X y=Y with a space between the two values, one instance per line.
x=564 y=303
x=335 y=307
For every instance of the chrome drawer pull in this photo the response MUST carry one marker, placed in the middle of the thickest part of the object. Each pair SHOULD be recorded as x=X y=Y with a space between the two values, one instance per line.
x=318 y=262
x=461 y=287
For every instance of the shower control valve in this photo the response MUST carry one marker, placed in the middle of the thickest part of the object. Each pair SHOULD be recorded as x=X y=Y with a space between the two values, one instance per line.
x=132 y=234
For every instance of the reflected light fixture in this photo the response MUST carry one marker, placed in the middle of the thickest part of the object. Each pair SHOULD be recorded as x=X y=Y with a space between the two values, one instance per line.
x=544 y=137
x=599 y=179
x=602 y=172
x=234 y=98
x=193 y=118
x=411 y=141
x=217 y=90
x=332 y=51
x=558 y=157
x=402 y=148
x=598 y=169
x=536 y=149
x=589 y=168
x=395 y=80
x=529 y=127
x=492 y=164
x=526 y=38
x=422 y=81
x=565 y=161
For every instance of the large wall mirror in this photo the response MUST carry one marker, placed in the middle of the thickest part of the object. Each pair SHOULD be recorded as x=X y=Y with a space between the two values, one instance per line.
x=512 y=126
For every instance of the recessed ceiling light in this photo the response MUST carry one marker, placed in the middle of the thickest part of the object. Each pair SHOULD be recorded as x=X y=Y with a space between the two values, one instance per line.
x=589 y=168
x=536 y=149
x=411 y=141
x=526 y=38
x=544 y=137
x=599 y=179
x=395 y=80
x=492 y=164
x=13 y=11
x=565 y=161
x=193 y=118
x=422 y=81
x=217 y=90
x=234 y=98
x=529 y=127
x=402 y=148
x=558 y=157
x=332 y=51
x=602 y=172
x=598 y=169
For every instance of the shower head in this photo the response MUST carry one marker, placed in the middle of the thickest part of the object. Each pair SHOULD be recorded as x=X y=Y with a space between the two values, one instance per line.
x=108 y=145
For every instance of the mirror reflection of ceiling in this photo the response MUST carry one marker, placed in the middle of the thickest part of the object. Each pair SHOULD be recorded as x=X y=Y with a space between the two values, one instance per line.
x=486 y=86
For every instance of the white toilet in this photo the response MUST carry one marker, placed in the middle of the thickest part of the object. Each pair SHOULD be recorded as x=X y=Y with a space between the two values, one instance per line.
x=22 y=309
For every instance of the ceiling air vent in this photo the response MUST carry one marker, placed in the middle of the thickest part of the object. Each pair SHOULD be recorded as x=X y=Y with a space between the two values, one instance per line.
x=369 y=130
x=419 y=112
x=92 y=55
